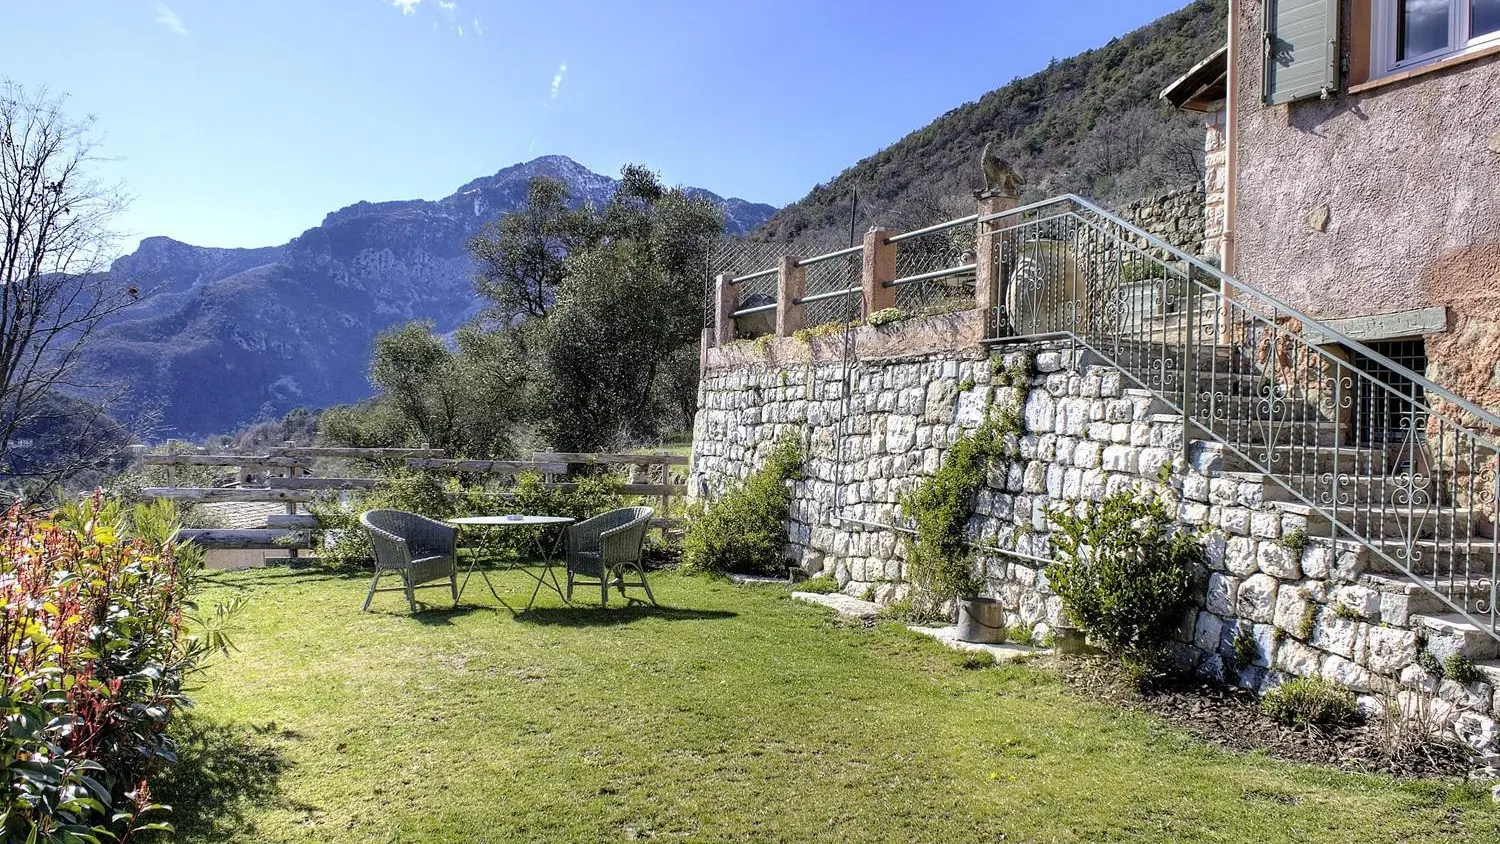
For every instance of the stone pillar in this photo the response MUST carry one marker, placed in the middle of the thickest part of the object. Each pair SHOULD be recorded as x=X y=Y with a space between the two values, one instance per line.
x=990 y=274
x=791 y=285
x=726 y=300
x=880 y=267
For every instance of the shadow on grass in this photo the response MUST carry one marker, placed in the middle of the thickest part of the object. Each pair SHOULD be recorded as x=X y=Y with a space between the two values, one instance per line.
x=222 y=770
x=595 y=616
x=247 y=579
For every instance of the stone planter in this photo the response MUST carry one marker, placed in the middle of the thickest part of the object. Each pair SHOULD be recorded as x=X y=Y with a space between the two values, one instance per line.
x=981 y=620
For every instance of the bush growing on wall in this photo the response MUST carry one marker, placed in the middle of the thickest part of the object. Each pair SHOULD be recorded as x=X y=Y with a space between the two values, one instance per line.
x=745 y=531
x=94 y=617
x=1123 y=574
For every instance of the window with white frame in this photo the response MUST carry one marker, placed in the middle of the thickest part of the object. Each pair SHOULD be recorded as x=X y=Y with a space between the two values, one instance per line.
x=1411 y=33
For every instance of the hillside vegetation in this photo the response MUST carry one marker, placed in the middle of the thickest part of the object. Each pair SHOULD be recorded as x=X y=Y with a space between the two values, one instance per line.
x=1091 y=124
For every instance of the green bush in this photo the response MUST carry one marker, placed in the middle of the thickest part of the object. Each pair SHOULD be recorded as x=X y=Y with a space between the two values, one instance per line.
x=745 y=531
x=1310 y=702
x=1123 y=574
x=100 y=635
x=938 y=558
x=1460 y=669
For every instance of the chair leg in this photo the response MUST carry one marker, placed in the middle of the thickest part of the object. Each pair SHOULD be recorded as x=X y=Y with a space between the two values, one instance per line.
x=411 y=593
x=453 y=585
x=604 y=588
x=569 y=596
x=644 y=585
x=374 y=581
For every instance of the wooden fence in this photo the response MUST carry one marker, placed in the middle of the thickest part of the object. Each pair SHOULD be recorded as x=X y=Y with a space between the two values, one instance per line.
x=286 y=476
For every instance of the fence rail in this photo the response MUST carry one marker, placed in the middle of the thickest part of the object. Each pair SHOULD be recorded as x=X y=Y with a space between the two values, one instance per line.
x=283 y=476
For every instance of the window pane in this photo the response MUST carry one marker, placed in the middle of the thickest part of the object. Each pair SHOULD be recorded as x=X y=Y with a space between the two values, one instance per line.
x=1422 y=27
x=1486 y=18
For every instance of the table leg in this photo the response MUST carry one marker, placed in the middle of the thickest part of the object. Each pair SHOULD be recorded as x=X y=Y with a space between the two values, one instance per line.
x=547 y=571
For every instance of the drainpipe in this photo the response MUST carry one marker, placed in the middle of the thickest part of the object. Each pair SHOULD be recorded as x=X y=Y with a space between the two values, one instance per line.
x=1231 y=143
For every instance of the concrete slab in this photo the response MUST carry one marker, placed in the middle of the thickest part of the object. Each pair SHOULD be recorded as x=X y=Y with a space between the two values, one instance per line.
x=757 y=578
x=841 y=604
x=949 y=636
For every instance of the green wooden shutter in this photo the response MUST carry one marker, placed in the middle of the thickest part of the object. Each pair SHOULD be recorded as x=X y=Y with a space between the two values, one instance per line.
x=1302 y=49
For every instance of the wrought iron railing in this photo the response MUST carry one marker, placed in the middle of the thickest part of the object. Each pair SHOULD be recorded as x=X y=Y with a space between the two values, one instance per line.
x=1374 y=452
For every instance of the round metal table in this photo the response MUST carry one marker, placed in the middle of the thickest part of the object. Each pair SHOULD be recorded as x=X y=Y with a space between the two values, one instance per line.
x=516 y=520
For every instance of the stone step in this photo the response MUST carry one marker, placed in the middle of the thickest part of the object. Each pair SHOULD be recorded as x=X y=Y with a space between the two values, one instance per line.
x=1440 y=558
x=1402 y=597
x=1368 y=489
x=1307 y=434
x=1457 y=525
x=1476 y=642
x=1291 y=461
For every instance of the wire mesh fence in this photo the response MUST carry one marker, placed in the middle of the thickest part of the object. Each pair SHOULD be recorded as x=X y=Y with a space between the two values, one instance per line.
x=739 y=258
x=829 y=276
x=943 y=258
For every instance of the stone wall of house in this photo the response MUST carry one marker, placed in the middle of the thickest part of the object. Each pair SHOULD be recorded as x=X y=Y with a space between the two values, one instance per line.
x=1309 y=610
x=1176 y=217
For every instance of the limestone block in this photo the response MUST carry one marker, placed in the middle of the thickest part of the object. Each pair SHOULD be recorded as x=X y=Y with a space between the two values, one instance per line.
x=1267 y=640
x=1298 y=659
x=1111 y=383
x=1118 y=410
x=1041 y=412
x=1364 y=601
x=1191 y=512
x=1119 y=433
x=1278 y=561
x=1239 y=556
x=1395 y=609
x=1235 y=520
x=1211 y=668
x=1121 y=458
x=1055 y=474
x=1345 y=673
x=1144 y=433
x=1072 y=416
x=1063 y=450
x=1206 y=632
x=1047 y=362
x=1477 y=731
x=1153 y=460
x=1099 y=431
x=1035 y=480
x=1257 y=598
x=1088 y=455
x=1336 y=635
x=1473 y=697
x=1221 y=594
x=972 y=406
x=1317 y=561
x=1389 y=651
x=1350 y=564
x=1056 y=384
x=1195 y=487
x=1266 y=524
x=1215 y=548
x=1119 y=483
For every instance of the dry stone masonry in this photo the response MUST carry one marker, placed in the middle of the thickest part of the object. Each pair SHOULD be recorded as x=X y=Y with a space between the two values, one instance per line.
x=1311 y=605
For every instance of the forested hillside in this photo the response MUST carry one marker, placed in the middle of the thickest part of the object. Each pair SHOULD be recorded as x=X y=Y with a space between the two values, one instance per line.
x=1091 y=124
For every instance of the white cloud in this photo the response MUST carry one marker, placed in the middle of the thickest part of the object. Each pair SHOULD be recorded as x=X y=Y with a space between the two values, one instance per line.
x=407 y=7
x=168 y=18
x=447 y=6
x=478 y=27
x=557 y=79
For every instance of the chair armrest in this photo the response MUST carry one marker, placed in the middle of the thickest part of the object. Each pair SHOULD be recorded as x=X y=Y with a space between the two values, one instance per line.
x=391 y=551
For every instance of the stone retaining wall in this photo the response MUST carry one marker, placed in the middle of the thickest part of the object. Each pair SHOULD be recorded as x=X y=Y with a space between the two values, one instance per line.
x=1178 y=217
x=1310 y=610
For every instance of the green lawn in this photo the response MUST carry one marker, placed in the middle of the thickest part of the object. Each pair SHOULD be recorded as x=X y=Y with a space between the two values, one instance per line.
x=739 y=715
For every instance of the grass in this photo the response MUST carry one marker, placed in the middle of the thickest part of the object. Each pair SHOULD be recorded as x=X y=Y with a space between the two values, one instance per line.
x=738 y=715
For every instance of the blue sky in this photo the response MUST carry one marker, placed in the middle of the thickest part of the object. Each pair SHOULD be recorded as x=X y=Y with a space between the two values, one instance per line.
x=238 y=123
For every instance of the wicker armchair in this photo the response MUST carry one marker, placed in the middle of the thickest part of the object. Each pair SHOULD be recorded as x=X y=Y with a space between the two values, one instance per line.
x=604 y=547
x=424 y=552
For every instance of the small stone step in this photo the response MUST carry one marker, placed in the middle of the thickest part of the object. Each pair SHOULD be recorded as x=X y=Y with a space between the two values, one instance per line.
x=949 y=636
x=1478 y=643
x=842 y=604
x=1402 y=597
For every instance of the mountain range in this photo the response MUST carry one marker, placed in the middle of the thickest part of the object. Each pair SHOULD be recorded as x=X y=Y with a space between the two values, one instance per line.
x=224 y=337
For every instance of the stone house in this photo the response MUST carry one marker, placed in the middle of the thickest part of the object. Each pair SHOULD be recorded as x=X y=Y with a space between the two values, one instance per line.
x=1353 y=159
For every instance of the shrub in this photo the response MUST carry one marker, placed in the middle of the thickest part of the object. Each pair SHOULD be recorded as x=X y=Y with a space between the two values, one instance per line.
x=99 y=632
x=1310 y=702
x=1461 y=670
x=745 y=531
x=938 y=558
x=1123 y=574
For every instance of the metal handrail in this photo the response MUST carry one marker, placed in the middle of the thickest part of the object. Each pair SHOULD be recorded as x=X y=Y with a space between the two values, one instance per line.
x=851 y=250
x=823 y=297
x=929 y=276
x=758 y=309
x=1322 y=328
x=751 y=277
x=950 y=224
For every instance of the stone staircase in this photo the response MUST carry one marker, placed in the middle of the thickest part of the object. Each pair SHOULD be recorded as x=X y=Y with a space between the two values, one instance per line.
x=1446 y=551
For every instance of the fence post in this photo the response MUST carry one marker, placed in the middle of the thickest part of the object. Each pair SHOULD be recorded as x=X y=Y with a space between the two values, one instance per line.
x=990 y=272
x=791 y=284
x=879 y=267
x=291 y=506
x=726 y=300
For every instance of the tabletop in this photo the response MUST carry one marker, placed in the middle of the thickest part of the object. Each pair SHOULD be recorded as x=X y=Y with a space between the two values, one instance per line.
x=513 y=519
